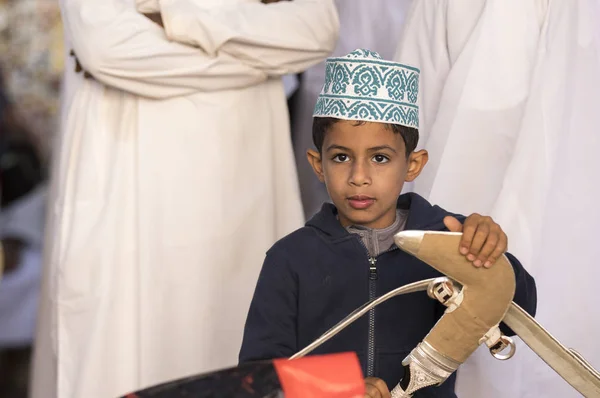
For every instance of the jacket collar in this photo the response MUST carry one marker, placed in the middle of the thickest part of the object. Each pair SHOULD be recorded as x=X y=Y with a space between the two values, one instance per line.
x=421 y=216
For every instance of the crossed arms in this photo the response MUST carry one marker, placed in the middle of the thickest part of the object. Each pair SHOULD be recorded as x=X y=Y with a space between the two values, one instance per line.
x=201 y=47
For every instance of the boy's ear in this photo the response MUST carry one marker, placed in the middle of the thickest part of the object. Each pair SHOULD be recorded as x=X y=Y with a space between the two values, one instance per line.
x=314 y=158
x=416 y=163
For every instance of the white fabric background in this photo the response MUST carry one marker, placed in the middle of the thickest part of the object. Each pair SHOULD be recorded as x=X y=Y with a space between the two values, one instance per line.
x=510 y=94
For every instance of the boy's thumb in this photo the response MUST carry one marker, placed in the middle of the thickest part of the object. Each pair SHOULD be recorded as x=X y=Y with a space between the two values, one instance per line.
x=453 y=224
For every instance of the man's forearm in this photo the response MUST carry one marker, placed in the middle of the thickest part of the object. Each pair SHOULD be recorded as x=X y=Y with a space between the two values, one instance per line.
x=121 y=48
x=282 y=38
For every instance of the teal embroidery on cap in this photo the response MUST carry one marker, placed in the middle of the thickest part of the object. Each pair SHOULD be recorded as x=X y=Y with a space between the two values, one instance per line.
x=366 y=81
x=363 y=86
x=396 y=85
x=340 y=79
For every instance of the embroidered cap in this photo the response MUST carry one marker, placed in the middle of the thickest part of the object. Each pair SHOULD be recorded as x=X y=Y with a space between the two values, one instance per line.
x=363 y=86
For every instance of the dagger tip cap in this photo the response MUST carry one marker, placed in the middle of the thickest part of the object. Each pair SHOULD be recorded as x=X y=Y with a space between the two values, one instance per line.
x=409 y=241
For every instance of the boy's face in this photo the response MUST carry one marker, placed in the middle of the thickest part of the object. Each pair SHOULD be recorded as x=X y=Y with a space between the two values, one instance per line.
x=364 y=168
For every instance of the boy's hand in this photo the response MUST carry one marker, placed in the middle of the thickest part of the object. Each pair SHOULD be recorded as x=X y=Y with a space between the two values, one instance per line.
x=483 y=241
x=376 y=388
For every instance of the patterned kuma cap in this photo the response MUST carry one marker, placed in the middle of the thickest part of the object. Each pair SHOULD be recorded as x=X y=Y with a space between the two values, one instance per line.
x=363 y=86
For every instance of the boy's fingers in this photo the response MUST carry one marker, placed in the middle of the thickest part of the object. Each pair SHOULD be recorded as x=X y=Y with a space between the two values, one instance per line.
x=481 y=235
x=372 y=392
x=469 y=229
x=376 y=388
x=453 y=224
x=498 y=251
x=490 y=245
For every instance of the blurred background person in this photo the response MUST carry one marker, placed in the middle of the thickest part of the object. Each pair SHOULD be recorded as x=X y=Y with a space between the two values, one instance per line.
x=31 y=66
x=173 y=174
x=22 y=214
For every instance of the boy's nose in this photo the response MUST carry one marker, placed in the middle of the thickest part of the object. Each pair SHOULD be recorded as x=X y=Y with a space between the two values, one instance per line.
x=360 y=175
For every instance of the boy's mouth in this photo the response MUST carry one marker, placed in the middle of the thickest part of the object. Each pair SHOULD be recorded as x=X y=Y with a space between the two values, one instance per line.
x=360 y=202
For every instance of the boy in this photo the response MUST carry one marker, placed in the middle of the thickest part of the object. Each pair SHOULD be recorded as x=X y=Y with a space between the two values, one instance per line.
x=365 y=132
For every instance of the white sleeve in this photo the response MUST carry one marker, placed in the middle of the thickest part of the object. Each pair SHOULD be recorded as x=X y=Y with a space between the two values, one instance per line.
x=123 y=49
x=280 y=38
x=147 y=6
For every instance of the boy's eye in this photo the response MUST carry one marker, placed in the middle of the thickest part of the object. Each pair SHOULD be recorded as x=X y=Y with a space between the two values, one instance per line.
x=341 y=158
x=381 y=159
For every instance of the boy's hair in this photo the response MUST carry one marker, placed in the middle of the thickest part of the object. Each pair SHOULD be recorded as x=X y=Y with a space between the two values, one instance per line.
x=321 y=125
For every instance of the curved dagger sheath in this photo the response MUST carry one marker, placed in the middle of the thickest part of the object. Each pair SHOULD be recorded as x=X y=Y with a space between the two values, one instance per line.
x=482 y=294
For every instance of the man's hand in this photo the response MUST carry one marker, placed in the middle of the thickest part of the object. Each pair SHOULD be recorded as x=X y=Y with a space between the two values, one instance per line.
x=376 y=388
x=156 y=18
x=78 y=67
x=483 y=241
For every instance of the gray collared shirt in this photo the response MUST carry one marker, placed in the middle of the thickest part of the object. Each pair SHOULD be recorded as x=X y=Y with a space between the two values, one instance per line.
x=378 y=241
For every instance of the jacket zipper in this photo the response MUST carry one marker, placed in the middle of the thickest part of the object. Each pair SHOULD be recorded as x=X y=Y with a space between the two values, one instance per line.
x=372 y=294
x=373 y=276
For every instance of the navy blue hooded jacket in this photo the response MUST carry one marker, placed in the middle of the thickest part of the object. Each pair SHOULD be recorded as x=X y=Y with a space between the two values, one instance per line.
x=319 y=274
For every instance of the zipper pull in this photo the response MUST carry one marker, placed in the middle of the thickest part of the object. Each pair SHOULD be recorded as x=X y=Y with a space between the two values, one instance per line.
x=373 y=269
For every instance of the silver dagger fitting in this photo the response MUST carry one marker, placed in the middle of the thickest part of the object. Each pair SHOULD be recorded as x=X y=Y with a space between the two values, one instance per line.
x=426 y=367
